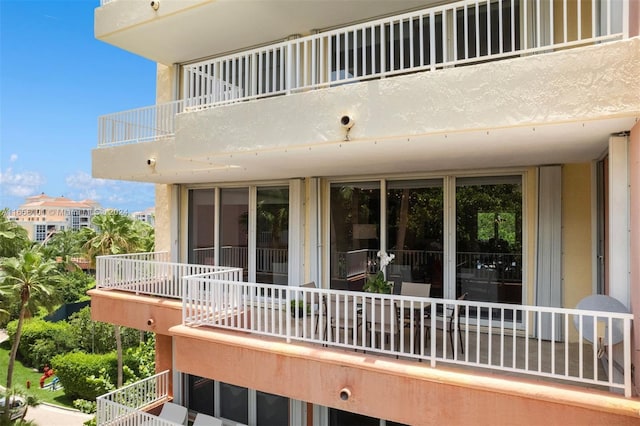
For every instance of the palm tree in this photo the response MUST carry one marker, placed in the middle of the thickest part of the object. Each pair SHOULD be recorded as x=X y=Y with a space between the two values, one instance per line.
x=29 y=280
x=13 y=237
x=115 y=234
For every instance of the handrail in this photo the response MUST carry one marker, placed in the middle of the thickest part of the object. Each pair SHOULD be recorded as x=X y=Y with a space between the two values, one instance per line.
x=127 y=401
x=497 y=336
x=152 y=273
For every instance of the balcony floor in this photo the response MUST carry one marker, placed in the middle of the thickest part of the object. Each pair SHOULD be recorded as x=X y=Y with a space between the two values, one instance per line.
x=482 y=351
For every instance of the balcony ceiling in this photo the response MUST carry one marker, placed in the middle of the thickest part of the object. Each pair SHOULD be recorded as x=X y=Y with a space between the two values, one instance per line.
x=211 y=27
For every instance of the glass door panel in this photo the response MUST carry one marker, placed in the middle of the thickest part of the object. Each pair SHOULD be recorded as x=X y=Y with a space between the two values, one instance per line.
x=415 y=233
x=234 y=226
x=201 y=226
x=271 y=409
x=355 y=233
x=489 y=239
x=272 y=245
x=234 y=403
x=201 y=393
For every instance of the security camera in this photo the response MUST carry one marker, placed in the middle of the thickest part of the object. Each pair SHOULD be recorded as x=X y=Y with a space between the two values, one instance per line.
x=151 y=162
x=150 y=322
x=347 y=122
x=155 y=4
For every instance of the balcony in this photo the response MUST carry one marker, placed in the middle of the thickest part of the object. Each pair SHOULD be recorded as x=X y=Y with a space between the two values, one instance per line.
x=448 y=36
x=504 y=338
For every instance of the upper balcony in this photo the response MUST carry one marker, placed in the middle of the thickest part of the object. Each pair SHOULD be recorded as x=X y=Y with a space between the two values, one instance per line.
x=557 y=51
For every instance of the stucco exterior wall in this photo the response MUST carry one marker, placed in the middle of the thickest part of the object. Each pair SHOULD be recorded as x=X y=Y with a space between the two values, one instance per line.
x=576 y=233
x=579 y=84
x=393 y=389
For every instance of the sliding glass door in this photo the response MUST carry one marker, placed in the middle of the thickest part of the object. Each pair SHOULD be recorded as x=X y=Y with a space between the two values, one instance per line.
x=463 y=240
x=415 y=233
x=489 y=239
x=252 y=228
x=355 y=233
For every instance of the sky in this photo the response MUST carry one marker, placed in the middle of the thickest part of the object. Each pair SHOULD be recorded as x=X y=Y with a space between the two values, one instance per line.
x=56 y=79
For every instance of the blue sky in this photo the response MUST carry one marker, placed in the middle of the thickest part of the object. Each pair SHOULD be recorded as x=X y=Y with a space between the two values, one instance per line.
x=55 y=80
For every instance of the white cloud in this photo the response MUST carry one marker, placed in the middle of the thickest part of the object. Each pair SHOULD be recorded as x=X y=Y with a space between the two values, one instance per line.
x=111 y=193
x=13 y=158
x=21 y=184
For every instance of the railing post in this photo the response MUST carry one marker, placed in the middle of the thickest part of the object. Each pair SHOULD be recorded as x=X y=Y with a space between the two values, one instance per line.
x=627 y=357
x=434 y=334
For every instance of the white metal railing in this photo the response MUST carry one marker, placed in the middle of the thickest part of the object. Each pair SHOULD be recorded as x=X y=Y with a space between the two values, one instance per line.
x=124 y=406
x=530 y=340
x=139 y=125
x=152 y=273
x=453 y=34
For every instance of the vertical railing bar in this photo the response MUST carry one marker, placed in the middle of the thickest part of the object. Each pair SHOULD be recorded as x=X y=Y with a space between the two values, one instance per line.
x=411 y=42
x=421 y=32
x=538 y=25
x=432 y=41
x=477 y=28
x=488 y=28
x=525 y=20
x=566 y=344
x=552 y=40
x=565 y=21
x=466 y=31
x=445 y=50
x=581 y=345
x=401 y=43
x=553 y=343
x=500 y=28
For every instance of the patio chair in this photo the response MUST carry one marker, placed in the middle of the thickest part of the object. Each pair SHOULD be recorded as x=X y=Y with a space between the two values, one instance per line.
x=174 y=413
x=419 y=315
x=206 y=420
x=382 y=322
x=341 y=312
x=455 y=313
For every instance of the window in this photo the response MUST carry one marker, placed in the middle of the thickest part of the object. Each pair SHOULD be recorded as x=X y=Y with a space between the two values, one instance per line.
x=236 y=403
x=41 y=233
x=481 y=255
x=262 y=212
x=355 y=233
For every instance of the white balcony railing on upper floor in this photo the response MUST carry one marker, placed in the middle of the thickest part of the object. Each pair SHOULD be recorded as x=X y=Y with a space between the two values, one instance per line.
x=124 y=405
x=454 y=34
x=146 y=124
x=504 y=337
x=152 y=273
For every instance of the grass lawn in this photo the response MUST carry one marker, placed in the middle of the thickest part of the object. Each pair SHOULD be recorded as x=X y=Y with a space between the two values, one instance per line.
x=22 y=374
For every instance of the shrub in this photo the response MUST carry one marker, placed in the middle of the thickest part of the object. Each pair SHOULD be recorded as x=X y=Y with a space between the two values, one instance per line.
x=73 y=369
x=86 y=376
x=41 y=340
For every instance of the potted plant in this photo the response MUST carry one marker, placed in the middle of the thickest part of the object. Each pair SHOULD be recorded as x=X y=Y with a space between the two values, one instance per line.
x=297 y=308
x=378 y=283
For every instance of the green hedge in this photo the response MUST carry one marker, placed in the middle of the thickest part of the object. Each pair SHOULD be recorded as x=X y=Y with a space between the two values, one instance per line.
x=73 y=369
x=41 y=340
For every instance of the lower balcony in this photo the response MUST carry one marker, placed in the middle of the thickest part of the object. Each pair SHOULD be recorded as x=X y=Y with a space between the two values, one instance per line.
x=553 y=348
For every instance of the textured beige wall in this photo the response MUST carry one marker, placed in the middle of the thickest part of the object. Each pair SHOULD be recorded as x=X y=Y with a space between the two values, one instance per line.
x=577 y=250
x=593 y=82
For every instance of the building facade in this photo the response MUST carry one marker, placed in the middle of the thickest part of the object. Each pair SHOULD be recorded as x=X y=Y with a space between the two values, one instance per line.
x=490 y=146
x=42 y=215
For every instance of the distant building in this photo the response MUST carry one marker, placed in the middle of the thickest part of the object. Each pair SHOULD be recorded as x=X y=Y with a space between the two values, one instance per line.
x=42 y=215
x=148 y=215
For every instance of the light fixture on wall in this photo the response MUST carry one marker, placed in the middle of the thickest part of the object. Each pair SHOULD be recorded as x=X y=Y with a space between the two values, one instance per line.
x=151 y=162
x=347 y=123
